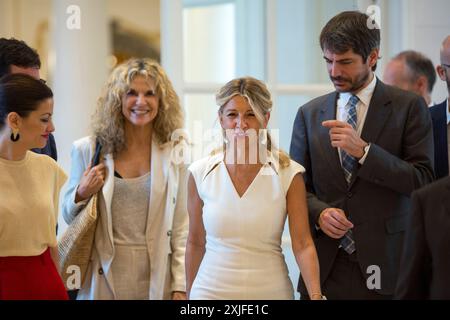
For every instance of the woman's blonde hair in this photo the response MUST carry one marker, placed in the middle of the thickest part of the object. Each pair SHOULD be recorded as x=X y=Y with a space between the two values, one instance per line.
x=259 y=99
x=108 y=123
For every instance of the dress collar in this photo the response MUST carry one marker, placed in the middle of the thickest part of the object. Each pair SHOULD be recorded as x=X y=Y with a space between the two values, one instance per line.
x=215 y=159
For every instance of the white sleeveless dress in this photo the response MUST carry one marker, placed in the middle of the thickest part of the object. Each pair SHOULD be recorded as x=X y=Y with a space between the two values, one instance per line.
x=243 y=258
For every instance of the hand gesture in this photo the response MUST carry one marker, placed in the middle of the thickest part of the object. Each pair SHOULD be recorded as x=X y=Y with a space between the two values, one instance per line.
x=91 y=182
x=342 y=135
x=334 y=223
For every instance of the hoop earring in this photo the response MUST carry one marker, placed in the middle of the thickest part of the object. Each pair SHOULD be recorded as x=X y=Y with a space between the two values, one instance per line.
x=15 y=136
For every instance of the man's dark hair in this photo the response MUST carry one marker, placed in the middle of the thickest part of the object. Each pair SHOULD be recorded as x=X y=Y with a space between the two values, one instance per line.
x=16 y=52
x=351 y=30
x=419 y=65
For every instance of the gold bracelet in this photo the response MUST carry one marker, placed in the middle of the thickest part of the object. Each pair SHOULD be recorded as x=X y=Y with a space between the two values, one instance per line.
x=316 y=294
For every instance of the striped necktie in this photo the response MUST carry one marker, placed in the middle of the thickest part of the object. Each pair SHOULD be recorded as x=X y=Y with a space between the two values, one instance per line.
x=348 y=164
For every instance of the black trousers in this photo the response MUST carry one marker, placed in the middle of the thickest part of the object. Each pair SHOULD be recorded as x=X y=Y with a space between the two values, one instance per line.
x=347 y=282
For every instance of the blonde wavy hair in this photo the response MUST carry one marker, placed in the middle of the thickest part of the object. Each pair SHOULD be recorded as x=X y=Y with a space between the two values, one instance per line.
x=259 y=99
x=108 y=122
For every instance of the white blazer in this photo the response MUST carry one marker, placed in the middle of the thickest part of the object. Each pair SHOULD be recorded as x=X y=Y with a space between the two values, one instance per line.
x=166 y=245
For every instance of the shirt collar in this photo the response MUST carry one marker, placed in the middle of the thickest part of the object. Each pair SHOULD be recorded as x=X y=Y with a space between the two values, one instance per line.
x=364 y=95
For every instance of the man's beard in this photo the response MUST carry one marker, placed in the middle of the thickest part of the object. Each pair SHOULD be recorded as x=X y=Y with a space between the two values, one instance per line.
x=356 y=85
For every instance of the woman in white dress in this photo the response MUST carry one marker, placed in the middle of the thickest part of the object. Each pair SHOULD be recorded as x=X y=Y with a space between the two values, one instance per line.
x=238 y=200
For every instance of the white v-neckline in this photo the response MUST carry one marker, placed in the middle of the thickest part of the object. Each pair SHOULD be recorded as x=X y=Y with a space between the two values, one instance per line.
x=234 y=187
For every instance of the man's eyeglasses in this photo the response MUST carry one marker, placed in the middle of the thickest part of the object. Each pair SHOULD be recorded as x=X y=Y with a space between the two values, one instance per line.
x=445 y=65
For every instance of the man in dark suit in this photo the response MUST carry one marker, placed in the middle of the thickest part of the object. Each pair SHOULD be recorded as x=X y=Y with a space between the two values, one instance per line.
x=425 y=265
x=365 y=148
x=17 y=57
x=441 y=117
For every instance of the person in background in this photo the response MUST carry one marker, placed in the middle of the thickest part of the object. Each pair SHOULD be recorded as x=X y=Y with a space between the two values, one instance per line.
x=426 y=257
x=440 y=114
x=29 y=192
x=141 y=233
x=411 y=71
x=238 y=201
x=17 y=57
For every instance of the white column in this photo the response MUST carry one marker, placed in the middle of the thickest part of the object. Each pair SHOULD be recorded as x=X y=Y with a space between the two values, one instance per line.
x=7 y=13
x=172 y=42
x=78 y=65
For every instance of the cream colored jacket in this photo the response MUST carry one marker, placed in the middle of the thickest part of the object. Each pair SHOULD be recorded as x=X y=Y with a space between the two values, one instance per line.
x=166 y=240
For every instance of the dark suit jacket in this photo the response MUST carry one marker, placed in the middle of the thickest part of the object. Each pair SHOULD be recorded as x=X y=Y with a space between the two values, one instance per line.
x=439 y=117
x=425 y=266
x=49 y=149
x=400 y=160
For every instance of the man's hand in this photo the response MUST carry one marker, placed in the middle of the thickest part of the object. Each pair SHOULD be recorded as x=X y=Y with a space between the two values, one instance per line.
x=342 y=135
x=334 y=223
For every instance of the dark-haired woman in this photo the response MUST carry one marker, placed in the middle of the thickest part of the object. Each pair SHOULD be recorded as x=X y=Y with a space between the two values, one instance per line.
x=29 y=191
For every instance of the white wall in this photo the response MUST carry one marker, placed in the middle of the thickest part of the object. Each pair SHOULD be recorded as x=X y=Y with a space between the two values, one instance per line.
x=419 y=25
x=430 y=24
x=144 y=14
x=29 y=21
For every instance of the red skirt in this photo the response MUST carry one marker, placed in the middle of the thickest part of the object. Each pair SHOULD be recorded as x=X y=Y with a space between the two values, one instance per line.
x=30 y=278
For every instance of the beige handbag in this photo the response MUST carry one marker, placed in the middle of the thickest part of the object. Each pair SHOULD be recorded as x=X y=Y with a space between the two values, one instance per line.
x=75 y=245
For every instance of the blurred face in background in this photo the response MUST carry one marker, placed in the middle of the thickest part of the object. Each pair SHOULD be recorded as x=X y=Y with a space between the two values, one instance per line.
x=398 y=74
x=31 y=71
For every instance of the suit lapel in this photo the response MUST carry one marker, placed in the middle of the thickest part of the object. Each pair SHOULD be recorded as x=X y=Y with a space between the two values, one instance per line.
x=379 y=110
x=328 y=112
x=106 y=248
x=377 y=114
x=108 y=191
x=158 y=182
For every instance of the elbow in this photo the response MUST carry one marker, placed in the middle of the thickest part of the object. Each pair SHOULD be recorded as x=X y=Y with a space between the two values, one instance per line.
x=195 y=245
x=421 y=178
x=305 y=245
